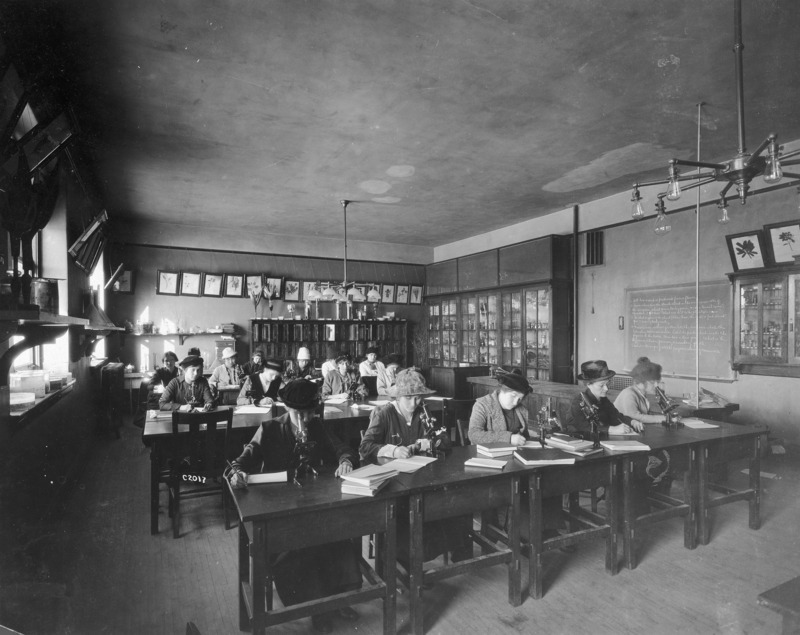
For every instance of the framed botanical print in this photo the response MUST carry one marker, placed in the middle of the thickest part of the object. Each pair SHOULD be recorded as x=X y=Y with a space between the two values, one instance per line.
x=746 y=250
x=212 y=284
x=292 y=291
x=255 y=285
x=307 y=287
x=387 y=294
x=167 y=282
x=190 y=283
x=234 y=285
x=273 y=288
x=402 y=294
x=125 y=282
x=415 y=295
x=783 y=242
x=374 y=297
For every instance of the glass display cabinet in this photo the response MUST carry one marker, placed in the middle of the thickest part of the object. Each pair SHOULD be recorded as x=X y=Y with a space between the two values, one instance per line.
x=511 y=311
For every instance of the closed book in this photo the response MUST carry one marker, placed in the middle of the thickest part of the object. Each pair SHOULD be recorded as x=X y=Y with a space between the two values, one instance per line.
x=268 y=477
x=565 y=441
x=370 y=474
x=494 y=464
x=621 y=445
x=363 y=490
x=495 y=449
x=583 y=452
x=543 y=456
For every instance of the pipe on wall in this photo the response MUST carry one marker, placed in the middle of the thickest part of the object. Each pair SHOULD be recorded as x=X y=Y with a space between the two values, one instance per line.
x=575 y=263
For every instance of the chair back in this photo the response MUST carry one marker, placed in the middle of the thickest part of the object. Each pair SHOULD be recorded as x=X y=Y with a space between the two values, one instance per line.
x=455 y=415
x=201 y=445
x=371 y=382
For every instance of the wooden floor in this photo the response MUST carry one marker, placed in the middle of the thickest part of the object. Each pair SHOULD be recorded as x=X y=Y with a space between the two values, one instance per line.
x=90 y=565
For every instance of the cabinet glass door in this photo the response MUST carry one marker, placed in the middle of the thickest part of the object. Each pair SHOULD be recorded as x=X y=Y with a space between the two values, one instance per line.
x=469 y=328
x=487 y=329
x=773 y=321
x=794 y=319
x=449 y=332
x=537 y=334
x=511 y=335
x=749 y=295
x=434 y=334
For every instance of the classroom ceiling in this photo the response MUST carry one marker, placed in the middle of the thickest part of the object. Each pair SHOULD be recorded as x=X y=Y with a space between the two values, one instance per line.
x=443 y=119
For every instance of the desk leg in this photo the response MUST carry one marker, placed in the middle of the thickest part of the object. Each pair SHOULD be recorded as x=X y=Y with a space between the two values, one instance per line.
x=416 y=556
x=514 y=573
x=695 y=496
x=259 y=577
x=155 y=469
x=755 y=484
x=389 y=572
x=535 y=532
x=244 y=576
x=612 y=518
x=629 y=514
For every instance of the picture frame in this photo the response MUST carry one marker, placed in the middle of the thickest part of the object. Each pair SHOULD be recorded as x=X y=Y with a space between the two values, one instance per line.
x=212 y=284
x=415 y=295
x=167 y=282
x=125 y=283
x=190 y=283
x=308 y=286
x=234 y=285
x=273 y=288
x=783 y=241
x=401 y=295
x=369 y=287
x=746 y=250
x=387 y=294
x=254 y=284
x=291 y=291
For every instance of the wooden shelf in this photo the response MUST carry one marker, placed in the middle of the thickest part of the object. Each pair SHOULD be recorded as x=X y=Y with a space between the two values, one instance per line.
x=183 y=336
x=35 y=316
x=18 y=419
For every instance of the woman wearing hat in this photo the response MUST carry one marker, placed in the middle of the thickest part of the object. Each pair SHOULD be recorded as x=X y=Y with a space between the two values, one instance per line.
x=595 y=375
x=500 y=417
x=255 y=365
x=344 y=382
x=310 y=573
x=190 y=391
x=302 y=367
x=227 y=373
x=371 y=367
x=261 y=389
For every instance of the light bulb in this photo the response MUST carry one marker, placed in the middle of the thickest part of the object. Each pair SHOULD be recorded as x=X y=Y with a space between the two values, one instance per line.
x=662 y=225
x=673 y=189
x=773 y=172
x=723 y=219
x=637 y=211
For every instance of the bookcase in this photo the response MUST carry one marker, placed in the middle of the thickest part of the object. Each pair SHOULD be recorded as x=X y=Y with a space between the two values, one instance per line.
x=281 y=339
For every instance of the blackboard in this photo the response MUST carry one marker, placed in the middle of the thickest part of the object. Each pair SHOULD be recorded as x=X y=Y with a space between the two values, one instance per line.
x=660 y=324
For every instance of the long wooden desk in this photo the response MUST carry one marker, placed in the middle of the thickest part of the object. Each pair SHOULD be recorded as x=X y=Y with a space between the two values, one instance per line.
x=282 y=517
x=158 y=434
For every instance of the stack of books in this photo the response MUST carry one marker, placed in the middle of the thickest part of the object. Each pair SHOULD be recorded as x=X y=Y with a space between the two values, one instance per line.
x=367 y=480
x=542 y=456
x=494 y=464
x=579 y=447
x=624 y=445
x=494 y=450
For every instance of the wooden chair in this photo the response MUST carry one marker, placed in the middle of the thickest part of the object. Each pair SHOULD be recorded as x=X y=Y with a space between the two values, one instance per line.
x=455 y=415
x=198 y=459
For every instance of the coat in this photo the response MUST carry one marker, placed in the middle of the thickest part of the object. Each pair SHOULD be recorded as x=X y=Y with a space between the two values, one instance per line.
x=487 y=423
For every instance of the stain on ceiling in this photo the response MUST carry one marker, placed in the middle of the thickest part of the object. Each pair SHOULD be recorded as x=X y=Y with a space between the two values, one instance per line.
x=442 y=119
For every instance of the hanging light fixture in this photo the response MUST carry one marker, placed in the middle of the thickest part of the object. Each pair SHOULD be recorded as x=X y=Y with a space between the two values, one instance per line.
x=662 y=225
x=723 y=219
x=373 y=295
x=740 y=170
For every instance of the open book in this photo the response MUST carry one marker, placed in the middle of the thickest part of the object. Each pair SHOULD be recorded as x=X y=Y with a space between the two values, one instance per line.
x=370 y=475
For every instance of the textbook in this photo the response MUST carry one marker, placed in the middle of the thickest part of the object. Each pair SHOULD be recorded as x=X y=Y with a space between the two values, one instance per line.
x=622 y=445
x=495 y=449
x=589 y=451
x=495 y=464
x=363 y=490
x=411 y=464
x=268 y=477
x=542 y=456
x=370 y=475
x=566 y=442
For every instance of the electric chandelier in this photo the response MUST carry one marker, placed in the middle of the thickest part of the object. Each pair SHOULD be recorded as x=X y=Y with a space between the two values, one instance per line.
x=739 y=171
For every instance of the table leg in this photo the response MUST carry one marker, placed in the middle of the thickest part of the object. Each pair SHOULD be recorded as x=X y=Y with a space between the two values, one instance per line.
x=612 y=518
x=416 y=561
x=259 y=577
x=389 y=573
x=629 y=514
x=514 y=573
x=701 y=488
x=155 y=470
x=244 y=576
x=535 y=532
x=755 y=484
x=694 y=490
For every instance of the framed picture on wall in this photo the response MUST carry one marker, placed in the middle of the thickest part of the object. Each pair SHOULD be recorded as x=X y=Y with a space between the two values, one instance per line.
x=190 y=283
x=167 y=282
x=415 y=296
x=307 y=287
x=292 y=291
x=783 y=241
x=273 y=288
x=234 y=285
x=125 y=282
x=387 y=294
x=376 y=296
x=402 y=294
x=212 y=284
x=746 y=250
x=255 y=285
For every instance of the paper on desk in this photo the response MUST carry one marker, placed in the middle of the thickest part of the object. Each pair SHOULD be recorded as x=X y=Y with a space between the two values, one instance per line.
x=411 y=464
x=268 y=477
x=336 y=400
x=697 y=423
x=331 y=410
x=380 y=402
x=251 y=410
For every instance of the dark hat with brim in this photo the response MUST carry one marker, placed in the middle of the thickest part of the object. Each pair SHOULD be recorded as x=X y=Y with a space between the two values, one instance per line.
x=192 y=360
x=595 y=370
x=273 y=364
x=513 y=381
x=300 y=394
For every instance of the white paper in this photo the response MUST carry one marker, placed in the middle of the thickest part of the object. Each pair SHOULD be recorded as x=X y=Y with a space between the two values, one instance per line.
x=697 y=424
x=251 y=410
x=411 y=464
x=336 y=400
x=267 y=477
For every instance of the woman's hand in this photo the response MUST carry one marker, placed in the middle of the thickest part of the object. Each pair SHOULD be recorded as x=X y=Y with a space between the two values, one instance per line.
x=402 y=452
x=344 y=468
x=265 y=402
x=518 y=439
x=423 y=445
x=238 y=478
x=637 y=425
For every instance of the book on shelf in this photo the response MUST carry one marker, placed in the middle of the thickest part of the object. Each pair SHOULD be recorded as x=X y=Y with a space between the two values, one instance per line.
x=495 y=449
x=543 y=456
x=363 y=490
x=494 y=464
x=370 y=475
x=624 y=445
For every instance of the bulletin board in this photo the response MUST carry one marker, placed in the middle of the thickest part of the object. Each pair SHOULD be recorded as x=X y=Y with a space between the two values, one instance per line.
x=660 y=324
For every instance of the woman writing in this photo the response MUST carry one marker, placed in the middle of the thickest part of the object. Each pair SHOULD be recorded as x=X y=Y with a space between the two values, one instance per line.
x=500 y=417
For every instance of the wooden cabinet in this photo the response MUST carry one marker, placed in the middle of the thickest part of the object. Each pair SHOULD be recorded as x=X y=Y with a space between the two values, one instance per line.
x=281 y=339
x=452 y=382
x=765 y=318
